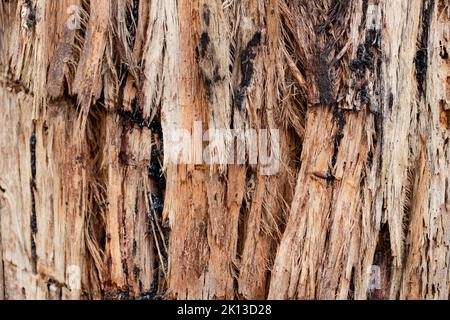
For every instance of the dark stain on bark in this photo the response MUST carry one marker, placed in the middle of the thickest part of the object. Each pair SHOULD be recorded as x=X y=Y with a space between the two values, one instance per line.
x=421 y=59
x=135 y=117
x=247 y=58
x=323 y=79
x=339 y=118
x=204 y=43
x=205 y=58
x=210 y=82
x=33 y=217
x=366 y=60
x=363 y=94
x=364 y=55
x=390 y=101
x=443 y=53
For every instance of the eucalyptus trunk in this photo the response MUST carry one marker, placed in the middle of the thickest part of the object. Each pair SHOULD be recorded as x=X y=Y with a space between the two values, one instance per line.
x=92 y=207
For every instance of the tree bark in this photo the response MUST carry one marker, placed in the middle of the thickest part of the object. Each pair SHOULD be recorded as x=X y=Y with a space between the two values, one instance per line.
x=92 y=207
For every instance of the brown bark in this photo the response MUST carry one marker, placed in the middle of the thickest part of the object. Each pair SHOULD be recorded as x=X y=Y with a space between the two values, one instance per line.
x=91 y=207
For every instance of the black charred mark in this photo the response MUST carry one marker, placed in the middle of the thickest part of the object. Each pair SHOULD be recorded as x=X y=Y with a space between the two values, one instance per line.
x=364 y=55
x=33 y=156
x=210 y=82
x=33 y=222
x=323 y=79
x=421 y=59
x=33 y=217
x=247 y=58
x=204 y=43
x=33 y=254
x=339 y=118
x=443 y=53
x=205 y=58
x=134 y=251
x=366 y=61
x=390 y=101
x=358 y=65
x=363 y=94
x=135 y=117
